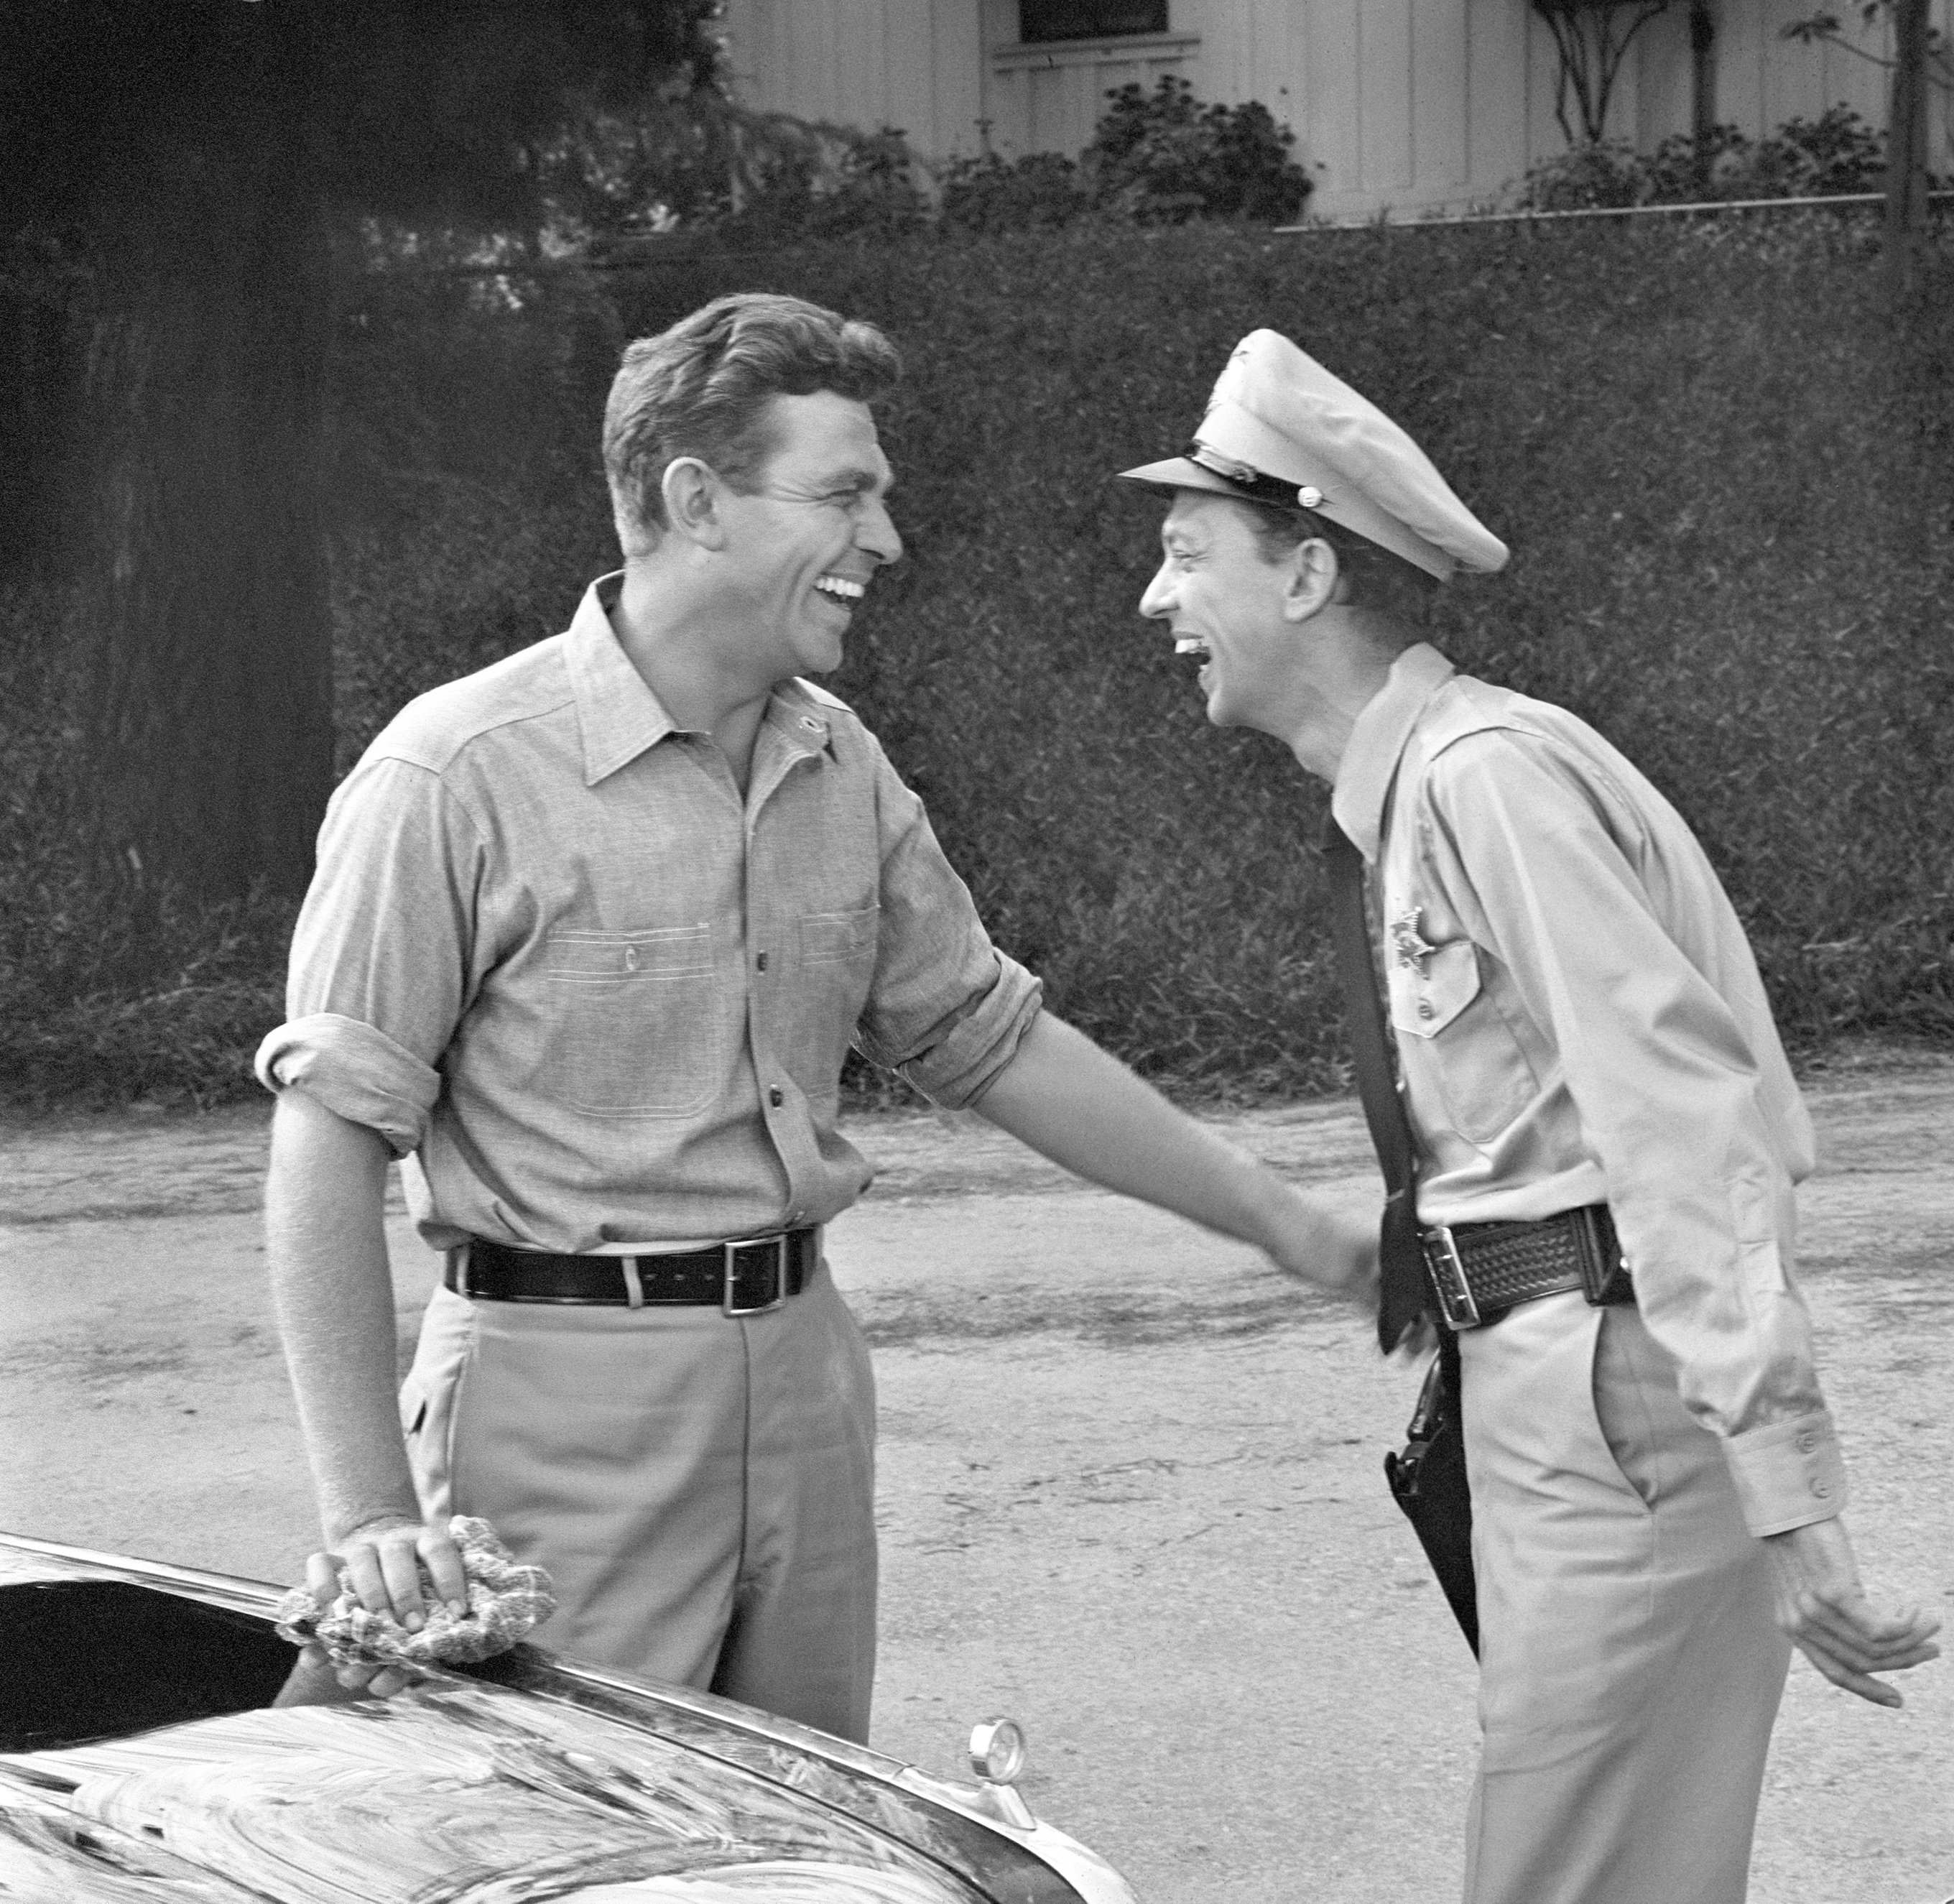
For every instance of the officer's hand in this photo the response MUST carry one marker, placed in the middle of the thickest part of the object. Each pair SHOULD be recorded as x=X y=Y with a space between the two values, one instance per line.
x=383 y=1560
x=1823 y=1609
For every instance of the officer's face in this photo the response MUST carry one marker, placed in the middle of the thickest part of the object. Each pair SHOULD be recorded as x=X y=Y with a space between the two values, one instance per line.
x=1221 y=600
x=807 y=543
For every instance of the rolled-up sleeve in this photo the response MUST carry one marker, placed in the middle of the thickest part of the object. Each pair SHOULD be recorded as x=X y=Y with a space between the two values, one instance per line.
x=1544 y=865
x=946 y=1009
x=381 y=953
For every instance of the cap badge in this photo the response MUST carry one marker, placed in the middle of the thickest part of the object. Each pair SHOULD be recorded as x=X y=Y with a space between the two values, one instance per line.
x=1406 y=942
x=1224 y=466
x=1310 y=497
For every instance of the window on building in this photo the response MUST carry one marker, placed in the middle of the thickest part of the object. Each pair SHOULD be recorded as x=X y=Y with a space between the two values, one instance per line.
x=1089 y=19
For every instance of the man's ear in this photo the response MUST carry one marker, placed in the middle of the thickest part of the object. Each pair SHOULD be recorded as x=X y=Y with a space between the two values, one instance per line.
x=692 y=492
x=1310 y=584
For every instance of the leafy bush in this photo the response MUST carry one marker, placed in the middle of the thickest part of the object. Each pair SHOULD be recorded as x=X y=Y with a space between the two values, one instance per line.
x=1039 y=191
x=1836 y=154
x=1163 y=156
x=1721 y=467
x=702 y=164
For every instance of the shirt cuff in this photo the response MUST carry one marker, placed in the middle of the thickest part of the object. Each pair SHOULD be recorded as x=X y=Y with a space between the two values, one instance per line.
x=1787 y=1474
x=356 y=1071
x=956 y=1071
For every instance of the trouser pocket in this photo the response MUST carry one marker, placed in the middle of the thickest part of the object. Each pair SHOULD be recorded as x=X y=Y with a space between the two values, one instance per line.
x=429 y=1397
x=1636 y=1405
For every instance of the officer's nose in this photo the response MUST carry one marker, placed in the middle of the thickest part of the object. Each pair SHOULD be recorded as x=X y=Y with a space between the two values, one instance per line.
x=1158 y=599
x=877 y=532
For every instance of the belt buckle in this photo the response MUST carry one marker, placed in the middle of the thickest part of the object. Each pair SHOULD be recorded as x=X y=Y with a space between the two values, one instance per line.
x=729 y=1301
x=1447 y=1270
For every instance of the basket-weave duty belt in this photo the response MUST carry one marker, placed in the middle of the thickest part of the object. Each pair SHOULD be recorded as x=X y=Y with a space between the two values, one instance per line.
x=746 y=1276
x=1478 y=1270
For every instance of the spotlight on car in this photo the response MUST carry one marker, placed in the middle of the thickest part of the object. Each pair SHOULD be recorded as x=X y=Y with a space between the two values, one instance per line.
x=997 y=1757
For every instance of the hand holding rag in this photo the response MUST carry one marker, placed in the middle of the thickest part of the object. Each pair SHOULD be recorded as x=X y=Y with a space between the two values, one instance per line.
x=504 y=1601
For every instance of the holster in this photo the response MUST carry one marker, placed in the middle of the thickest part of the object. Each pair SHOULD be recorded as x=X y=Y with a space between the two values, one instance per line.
x=1427 y=1480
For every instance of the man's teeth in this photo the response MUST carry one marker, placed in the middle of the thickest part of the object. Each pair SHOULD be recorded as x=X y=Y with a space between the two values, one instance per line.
x=839 y=584
x=1190 y=644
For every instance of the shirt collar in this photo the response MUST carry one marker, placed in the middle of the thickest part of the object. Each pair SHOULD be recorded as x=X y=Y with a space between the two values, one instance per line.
x=1370 y=761
x=617 y=712
x=620 y=716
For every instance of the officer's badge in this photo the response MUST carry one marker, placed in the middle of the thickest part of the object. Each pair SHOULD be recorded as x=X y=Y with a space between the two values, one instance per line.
x=1410 y=947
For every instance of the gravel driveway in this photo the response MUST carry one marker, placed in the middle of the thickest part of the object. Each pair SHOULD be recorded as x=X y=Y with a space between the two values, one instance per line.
x=1130 y=1487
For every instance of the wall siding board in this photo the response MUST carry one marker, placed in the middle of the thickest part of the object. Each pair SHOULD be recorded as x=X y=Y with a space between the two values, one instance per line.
x=1403 y=104
x=1384 y=50
x=1441 y=97
x=1336 y=108
x=1497 y=90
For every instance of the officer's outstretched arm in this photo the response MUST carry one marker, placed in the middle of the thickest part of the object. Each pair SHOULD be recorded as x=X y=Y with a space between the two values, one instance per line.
x=1824 y=1610
x=1082 y=1108
x=326 y=1246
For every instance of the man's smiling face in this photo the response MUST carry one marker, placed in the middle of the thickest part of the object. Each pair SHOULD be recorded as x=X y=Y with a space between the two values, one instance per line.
x=1222 y=601
x=809 y=538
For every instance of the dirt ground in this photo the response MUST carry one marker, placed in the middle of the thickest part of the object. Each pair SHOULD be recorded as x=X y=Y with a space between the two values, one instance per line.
x=1130 y=1490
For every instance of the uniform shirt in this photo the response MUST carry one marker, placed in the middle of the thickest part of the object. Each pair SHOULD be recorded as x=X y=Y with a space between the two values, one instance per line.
x=603 y=1001
x=1578 y=1019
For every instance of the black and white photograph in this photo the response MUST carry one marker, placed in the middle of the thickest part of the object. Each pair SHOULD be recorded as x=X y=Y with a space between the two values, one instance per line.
x=976 y=951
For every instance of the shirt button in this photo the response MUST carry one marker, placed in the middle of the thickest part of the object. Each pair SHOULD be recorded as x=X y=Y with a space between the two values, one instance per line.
x=760 y=961
x=1424 y=1008
x=1807 y=1442
x=774 y=1098
x=1823 y=1489
x=631 y=958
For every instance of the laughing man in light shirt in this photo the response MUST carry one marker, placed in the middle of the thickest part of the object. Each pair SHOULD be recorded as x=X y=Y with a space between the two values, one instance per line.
x=592 y=933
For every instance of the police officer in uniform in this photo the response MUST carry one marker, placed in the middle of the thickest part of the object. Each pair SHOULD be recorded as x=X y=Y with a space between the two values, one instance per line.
x=1584 y=1047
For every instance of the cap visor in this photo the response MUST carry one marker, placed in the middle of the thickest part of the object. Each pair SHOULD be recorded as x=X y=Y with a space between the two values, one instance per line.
x=1178 y=472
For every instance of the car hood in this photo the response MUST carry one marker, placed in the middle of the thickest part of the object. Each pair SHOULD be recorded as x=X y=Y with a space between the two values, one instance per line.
x=445 y=1794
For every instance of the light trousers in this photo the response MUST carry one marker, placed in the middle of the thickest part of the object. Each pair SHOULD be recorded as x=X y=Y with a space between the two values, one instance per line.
x=1630 y=1668
x=701 y=1488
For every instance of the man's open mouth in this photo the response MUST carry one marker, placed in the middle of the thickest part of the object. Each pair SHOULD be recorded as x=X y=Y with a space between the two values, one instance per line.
x=841 y=588
x=1191 y=645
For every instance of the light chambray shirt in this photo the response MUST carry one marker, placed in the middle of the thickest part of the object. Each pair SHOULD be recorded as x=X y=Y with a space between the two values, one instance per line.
x=1578 y=1019
x=597 y=999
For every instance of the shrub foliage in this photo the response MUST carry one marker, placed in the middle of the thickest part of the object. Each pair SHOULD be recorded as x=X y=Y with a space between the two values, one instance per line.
x=1721 y=469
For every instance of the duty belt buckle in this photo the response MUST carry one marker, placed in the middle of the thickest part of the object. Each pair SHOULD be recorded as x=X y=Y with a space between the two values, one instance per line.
x=1447 y=1270
x=729 y=1301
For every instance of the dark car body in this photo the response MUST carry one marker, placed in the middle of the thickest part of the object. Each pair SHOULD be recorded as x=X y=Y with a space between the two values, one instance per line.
x=156 y=1744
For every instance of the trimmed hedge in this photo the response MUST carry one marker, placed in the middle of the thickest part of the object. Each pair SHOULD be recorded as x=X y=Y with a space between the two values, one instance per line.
x=1723 y=470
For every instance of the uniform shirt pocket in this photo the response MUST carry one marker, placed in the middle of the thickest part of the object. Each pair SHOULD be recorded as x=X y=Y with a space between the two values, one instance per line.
x=1428 y=996
x=635 y=1022
x=1441 y=1002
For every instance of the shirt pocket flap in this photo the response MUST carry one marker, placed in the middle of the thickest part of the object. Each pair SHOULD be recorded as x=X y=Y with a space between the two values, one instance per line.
x=670 y=952
x=827 y=938
x=1427 y=997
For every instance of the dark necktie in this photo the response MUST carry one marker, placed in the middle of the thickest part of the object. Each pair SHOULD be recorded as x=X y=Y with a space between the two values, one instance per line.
x=1403 y=1291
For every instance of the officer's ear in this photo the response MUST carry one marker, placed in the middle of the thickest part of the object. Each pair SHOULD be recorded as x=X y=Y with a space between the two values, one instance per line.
x=692 y=492
x=1311 y=582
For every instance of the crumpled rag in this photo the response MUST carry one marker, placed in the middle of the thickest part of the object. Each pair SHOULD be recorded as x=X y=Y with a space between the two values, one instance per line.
x=504 y=1601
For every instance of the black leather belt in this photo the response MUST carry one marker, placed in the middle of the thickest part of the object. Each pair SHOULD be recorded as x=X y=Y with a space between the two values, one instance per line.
x=1479 y=1270
x=745 y=1277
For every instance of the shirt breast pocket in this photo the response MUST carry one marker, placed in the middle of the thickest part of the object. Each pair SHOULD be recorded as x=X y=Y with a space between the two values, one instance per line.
x=840 y=939
x=634 y=1028
x=1462 y=1042
x=837 y=967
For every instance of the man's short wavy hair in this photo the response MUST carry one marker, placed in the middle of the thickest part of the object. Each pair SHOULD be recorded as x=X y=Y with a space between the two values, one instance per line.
x=702 y=388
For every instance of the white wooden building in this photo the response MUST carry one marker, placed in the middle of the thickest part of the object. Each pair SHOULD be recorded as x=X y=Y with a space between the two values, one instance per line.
x=1410 y=105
